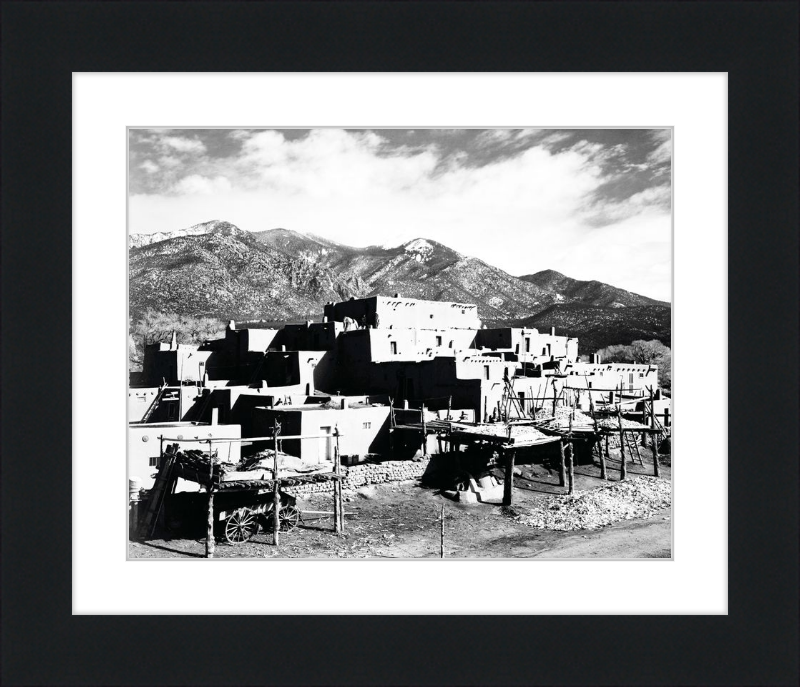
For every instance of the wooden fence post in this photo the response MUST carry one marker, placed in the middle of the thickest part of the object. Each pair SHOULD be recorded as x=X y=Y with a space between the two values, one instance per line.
x=338 y=516
x=571 y=475
x=603 y=470
x=656 y=465
x=562 y=472
x=441 y=540
x=276 y=488
x=598 y=440
x=623 y=469
x=424 y=434
x=210 y=541
x=509 y=483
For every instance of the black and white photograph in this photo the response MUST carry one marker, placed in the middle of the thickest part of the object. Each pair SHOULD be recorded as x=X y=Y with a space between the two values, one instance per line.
x=400 y=343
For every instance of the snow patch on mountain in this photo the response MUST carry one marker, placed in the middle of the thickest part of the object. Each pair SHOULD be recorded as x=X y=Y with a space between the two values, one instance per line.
x=139 y=240
x=418 y=246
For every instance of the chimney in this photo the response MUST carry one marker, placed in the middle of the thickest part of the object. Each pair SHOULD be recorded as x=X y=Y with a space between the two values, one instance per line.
x=344 y=404
x=552 y=331
x=397 y=295
x=173 y=344
x=232 y=325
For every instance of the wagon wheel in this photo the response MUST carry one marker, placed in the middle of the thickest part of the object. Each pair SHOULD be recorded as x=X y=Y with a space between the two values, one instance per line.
x=240 y=526
x=289 y=517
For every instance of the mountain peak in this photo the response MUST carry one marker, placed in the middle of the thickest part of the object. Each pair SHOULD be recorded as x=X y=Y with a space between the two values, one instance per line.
x=544 y=275
x=418 y=246
x=213 y=226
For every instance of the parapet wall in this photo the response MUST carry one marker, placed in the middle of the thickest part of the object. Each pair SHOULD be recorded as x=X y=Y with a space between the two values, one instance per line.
x=368 y=473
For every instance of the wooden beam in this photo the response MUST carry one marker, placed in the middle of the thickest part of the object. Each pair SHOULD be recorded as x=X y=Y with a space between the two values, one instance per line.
x=623 y=469
x=508 y=485
x=276 y=490
x=571 y=475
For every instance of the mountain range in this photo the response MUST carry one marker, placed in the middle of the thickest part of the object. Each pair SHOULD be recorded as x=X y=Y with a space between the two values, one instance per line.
x=217 y=269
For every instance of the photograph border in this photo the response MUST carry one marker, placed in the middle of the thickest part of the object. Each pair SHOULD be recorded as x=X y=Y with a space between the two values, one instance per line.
x=756 y=43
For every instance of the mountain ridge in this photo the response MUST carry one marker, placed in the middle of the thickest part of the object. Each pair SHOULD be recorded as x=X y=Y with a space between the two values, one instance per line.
x=217 y=269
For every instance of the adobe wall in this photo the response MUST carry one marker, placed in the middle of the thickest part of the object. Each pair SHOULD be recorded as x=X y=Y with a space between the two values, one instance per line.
x=144 y=447
x=361 y=475
x=405 y=313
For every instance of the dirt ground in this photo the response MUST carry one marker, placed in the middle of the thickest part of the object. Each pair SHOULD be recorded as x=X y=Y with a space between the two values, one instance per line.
x=403 y=520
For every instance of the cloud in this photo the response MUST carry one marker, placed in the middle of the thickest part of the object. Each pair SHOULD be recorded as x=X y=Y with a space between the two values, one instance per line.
x=200 y=185
x=183 y=145
x=149 y=166
x=542 y=198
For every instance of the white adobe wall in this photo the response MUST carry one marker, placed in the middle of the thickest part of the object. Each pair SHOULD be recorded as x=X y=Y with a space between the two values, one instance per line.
x=144 y=447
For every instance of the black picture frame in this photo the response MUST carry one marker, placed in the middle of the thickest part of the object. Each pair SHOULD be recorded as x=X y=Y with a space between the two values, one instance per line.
x=756 y=43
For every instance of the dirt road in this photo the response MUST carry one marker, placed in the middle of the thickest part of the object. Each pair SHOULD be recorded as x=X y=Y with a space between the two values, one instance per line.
x=403 y=520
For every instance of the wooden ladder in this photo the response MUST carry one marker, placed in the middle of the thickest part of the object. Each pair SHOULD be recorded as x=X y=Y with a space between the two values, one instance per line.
x=633 y=447
x=512 y=401
x=155 y=499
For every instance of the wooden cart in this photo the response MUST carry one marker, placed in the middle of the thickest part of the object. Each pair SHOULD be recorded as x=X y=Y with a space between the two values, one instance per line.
x=240 y=514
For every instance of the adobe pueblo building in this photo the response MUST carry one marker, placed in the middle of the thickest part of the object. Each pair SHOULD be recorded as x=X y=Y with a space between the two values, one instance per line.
x=390 y=377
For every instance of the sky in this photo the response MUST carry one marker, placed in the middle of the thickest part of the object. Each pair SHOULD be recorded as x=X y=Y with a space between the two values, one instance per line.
x=590 y=203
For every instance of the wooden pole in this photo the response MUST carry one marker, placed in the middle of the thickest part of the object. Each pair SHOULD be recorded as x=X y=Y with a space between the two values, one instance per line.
x=210 y=541
x=424 y=434
x=509 y=483
x=449 y=406
x=338 y=516
x=623 y=469
x=276 y=489
x=555 y=398
x=598 y=440
x=653 y=442
x=652 y=410
x=441 y=539
x=562 y=472
x=654 y=446
x=603 y=470
x=571 y=474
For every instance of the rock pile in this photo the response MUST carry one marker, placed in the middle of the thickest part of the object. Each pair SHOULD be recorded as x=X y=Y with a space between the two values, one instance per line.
x=640 y=497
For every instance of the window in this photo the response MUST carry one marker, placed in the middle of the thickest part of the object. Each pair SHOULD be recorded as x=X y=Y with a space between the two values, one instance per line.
x=438 y=340
x=153 y=461
x=367 y=425
x=527 y=345
x=394 y=347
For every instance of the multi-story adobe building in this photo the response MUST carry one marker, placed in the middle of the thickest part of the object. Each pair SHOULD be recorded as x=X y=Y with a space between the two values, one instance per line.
x=413 y=352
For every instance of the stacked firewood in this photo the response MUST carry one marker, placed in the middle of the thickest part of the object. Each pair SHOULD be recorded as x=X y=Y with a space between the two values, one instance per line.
x=198 y=466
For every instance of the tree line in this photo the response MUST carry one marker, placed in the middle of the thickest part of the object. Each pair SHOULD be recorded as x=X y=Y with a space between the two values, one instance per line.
x=157 y=327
